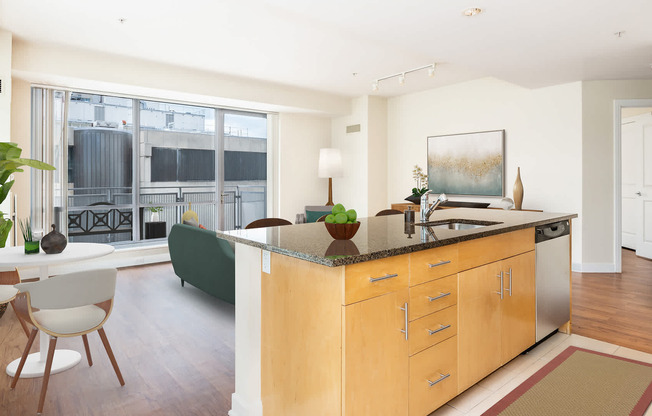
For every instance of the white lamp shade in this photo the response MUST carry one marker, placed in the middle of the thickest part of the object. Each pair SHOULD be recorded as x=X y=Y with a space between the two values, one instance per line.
x=330 y=163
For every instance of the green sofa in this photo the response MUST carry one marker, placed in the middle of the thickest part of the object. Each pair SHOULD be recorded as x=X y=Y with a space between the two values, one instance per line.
x=203 y=260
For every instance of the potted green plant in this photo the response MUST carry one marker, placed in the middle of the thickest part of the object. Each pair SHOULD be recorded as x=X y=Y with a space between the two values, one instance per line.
x=155 y=210
x=10 y=162
x=422 y=185
x=31 y=246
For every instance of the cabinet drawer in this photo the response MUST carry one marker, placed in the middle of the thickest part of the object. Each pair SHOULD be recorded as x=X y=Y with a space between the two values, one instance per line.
x=427 y=368
x=433 y=296
x=474 y=253
x=432 y=264
x=432 y=329
x=374 y=278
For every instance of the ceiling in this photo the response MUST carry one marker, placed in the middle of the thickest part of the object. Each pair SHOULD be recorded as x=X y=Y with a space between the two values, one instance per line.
x=342 y=46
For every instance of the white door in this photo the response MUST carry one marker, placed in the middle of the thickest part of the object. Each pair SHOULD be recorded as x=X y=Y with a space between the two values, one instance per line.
x=644 y=195
x=637 y=184
x=632 y=141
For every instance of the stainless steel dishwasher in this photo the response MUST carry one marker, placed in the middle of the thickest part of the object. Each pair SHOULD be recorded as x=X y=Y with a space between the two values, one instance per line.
x=552 y=252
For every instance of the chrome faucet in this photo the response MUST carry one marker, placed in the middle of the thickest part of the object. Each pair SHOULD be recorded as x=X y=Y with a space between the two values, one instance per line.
x=427 y=210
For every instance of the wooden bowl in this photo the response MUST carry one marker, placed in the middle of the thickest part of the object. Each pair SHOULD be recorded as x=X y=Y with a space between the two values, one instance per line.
x=342 y=231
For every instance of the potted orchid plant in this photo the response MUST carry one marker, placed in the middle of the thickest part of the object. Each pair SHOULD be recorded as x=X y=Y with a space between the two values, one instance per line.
x=421 y=188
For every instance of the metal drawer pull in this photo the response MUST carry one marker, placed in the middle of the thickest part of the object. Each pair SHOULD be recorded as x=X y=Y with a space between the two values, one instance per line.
x=501 y=293
x=387 y=276
x=441 y=328
x=510 y=282
x=441 y=263
x=442 y=378
x=405 y=309
x=441 y=295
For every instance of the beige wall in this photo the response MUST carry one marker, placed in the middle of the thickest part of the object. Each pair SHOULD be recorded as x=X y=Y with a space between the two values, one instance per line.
x=5 y=103
x=598 y=166
x=543 y=136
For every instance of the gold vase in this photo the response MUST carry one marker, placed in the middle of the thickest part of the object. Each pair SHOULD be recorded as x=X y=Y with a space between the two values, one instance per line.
x=518 y=191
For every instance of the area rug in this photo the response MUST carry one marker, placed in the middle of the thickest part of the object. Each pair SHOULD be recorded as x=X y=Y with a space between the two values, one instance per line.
x=581 y=382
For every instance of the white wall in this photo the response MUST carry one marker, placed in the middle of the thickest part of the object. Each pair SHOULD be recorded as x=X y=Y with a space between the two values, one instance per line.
x=598 y=166
x=301 y=137
x=5 y=102
x=543 y=136
x=377 y=154
x=5 y=76
x=352 y=188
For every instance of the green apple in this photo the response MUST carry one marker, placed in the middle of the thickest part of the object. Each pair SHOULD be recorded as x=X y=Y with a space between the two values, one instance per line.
x=352 y=215
x=338 y=208
x=341 y=218
x=330 y=218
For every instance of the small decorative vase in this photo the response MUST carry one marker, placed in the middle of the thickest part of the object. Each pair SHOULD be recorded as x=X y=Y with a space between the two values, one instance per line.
x=31 y=247
x=154 y=217
x=53 y=242
x=518 y=191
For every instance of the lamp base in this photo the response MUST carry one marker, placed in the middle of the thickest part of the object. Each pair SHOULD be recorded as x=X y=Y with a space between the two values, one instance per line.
x=330 y=193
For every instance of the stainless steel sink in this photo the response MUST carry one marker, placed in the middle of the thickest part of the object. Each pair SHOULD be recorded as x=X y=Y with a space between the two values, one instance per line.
x=458 y=224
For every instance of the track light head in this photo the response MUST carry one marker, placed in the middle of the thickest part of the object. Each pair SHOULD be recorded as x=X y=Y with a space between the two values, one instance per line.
x=431 y=71
x=401 y=78
x=374 y=85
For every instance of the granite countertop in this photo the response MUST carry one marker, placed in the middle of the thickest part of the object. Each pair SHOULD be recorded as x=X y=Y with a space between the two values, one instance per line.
x=380 y=237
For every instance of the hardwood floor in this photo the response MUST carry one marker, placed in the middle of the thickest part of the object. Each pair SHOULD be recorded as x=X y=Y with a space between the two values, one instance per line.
x=174 y=346
x=616 y=308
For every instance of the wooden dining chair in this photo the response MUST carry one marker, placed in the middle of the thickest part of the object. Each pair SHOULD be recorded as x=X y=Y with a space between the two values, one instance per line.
x=388 y=212
x=67 y=305
x=267 y=222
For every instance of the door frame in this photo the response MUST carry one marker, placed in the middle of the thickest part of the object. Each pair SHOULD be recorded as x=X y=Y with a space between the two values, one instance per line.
x=618 y=162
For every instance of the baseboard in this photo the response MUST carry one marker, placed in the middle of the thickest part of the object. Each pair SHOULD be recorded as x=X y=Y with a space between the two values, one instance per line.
x=240 y=407
x=594 y=267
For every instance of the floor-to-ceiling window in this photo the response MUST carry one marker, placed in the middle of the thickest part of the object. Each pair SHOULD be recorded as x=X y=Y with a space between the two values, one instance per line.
x=127 y=168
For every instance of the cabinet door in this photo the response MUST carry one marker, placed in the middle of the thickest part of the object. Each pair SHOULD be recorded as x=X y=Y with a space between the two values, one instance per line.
x=518 y=305
x=375 y=356
x=479 y=323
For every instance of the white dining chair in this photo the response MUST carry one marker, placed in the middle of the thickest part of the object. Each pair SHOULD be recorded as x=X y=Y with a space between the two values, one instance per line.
x=67 y=305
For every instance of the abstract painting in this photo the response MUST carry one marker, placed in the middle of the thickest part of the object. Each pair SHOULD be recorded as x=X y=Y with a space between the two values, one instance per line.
x=467 y=164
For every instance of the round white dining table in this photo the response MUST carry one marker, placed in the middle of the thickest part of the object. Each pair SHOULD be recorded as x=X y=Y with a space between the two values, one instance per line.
x=12 y=257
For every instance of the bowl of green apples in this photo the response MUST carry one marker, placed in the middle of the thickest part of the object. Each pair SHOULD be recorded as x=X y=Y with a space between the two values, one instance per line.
x=341 y=223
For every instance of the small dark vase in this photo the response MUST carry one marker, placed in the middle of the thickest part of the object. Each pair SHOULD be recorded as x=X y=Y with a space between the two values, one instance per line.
x=414 y=199
x=54 y=242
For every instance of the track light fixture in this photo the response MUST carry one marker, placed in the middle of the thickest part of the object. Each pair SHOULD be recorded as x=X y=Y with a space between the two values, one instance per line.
x=401 y=75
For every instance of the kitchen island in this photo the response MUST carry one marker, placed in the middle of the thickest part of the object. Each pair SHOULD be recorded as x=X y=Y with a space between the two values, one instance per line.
x=398 y=320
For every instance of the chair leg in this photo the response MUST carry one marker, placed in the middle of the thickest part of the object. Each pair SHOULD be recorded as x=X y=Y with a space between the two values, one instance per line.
x=21 y=364
x=22 y=323
x=88 y=350
x=46 y=374
x=182 y=282
x=109 y=352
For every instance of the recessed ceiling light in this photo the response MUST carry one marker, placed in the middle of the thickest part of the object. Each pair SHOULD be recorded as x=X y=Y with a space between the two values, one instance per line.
x=472 y=11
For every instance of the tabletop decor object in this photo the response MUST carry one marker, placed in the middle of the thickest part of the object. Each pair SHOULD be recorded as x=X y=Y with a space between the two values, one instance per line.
x=10 y=162
x=518 y=191
x=422 y=185
x=341 y=224
x=155 y=213
x=31 y=246
x=54 y=242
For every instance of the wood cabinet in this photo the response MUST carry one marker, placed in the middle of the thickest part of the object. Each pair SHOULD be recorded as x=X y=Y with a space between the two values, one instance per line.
x=333 y=339
x=375 y=356
x=496 y=315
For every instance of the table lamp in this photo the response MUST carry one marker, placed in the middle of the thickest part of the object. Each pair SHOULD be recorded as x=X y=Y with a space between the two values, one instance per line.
x=330 y=166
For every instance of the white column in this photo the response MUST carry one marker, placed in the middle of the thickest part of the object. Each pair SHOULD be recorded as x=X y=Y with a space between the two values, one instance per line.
x=246 y=401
